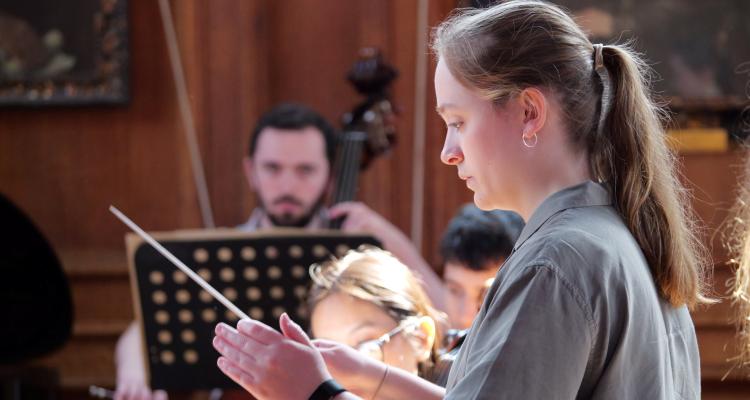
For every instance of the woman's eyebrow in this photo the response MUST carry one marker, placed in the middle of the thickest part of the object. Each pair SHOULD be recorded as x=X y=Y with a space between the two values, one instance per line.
x=442 y=107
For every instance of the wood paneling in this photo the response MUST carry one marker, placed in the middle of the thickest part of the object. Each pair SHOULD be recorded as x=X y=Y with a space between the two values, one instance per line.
x=236 y=92
x=445 y=193
x=64 y=166
x=712 y=180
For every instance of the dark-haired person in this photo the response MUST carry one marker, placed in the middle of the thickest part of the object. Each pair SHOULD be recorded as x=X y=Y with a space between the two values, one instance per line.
x=593 y=301
x=474 y=245
x=288 y=167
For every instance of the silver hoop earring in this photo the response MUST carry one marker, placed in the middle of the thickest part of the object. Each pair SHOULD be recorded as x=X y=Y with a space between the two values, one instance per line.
x=526 y=141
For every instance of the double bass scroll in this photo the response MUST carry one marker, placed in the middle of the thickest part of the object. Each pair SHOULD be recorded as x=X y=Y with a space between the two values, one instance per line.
x=368 y=130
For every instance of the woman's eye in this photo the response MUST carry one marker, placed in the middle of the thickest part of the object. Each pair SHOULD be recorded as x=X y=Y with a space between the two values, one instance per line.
x=455 y=125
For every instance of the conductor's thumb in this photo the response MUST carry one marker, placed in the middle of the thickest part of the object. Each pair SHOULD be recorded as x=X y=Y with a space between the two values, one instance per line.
x=291 y=330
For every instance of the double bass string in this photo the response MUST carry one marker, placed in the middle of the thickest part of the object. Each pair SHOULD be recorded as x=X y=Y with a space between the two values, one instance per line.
x=344 y=162
x=352 y=149
x=340 y=163
x=177 y=263
x=344 y=173
x=347 y=175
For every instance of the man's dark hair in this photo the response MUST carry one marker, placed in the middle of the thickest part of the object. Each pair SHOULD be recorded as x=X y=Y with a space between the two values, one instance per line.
x=295 y=116
x=476 y=238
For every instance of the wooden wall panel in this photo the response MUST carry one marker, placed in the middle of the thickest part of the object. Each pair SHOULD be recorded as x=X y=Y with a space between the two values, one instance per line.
x=713 y=183
x=64 y=166
x=314 y=45
x=386 y=185
x=444 y=191
x=235 y=71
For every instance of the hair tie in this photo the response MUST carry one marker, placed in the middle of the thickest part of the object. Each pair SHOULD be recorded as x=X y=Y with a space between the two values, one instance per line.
x=603 y=73
x=380 y=385
x=598 y=58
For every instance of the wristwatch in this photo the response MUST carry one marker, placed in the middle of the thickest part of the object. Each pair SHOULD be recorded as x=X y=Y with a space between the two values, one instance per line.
x=327 y=390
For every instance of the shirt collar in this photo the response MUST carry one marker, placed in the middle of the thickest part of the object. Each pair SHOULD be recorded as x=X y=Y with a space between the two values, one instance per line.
x=586 y=194
x=319 y=221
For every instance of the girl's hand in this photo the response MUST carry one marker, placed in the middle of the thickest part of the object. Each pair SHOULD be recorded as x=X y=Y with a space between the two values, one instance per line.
x=355 y=371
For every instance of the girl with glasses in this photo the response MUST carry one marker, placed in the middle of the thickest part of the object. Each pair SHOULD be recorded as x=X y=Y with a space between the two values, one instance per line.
x=372 y=302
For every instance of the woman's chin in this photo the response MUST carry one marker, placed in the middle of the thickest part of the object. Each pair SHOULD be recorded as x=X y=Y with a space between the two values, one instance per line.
x=486 y=204
x=482 y=203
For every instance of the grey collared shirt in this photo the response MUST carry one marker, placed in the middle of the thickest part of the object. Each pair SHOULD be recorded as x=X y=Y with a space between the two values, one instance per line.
x=574 y=314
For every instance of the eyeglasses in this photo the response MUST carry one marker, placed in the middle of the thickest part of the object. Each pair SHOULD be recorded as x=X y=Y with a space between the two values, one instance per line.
x=374 y=348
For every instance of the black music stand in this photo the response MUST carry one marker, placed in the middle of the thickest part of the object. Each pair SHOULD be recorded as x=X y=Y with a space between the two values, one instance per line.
x=263 y=273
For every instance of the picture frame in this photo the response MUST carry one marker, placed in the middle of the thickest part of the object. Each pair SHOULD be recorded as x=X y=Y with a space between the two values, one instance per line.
x=64 y=53
x=697 y=50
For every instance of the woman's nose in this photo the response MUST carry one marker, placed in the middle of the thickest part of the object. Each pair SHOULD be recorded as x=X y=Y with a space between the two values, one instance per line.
x=451 y=153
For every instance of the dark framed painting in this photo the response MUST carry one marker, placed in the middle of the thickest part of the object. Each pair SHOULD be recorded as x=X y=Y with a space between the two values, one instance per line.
x=699 y=50
x=63 y=52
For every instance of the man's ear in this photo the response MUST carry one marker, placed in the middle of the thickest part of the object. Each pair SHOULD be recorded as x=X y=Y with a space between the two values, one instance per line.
x=534 y=105
x=248 y=168
x=424 y=338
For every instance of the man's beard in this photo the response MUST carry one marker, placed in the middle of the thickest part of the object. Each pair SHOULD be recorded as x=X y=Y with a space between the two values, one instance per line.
x=288 y=220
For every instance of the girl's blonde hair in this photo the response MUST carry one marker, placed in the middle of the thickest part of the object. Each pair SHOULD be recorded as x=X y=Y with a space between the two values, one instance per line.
x=377 y=277
x=514 y=45
x=739 y=246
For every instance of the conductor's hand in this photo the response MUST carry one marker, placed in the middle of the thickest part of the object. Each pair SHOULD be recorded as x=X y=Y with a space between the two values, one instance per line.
x=268 y=364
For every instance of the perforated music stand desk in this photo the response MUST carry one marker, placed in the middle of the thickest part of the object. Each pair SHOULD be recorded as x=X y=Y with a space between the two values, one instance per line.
x=264 y=273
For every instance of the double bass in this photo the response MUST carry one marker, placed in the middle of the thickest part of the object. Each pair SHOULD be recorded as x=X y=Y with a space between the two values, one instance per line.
x=368 y=130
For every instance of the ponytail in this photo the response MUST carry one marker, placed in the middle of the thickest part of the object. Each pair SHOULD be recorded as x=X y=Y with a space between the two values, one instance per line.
x=630 y=152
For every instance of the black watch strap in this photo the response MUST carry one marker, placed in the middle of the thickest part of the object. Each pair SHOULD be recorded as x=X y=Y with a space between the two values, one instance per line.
x=327 y=390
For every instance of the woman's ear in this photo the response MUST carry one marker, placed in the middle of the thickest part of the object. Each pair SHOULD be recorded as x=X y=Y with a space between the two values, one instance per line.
x=534 y=104
x=424 y=338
